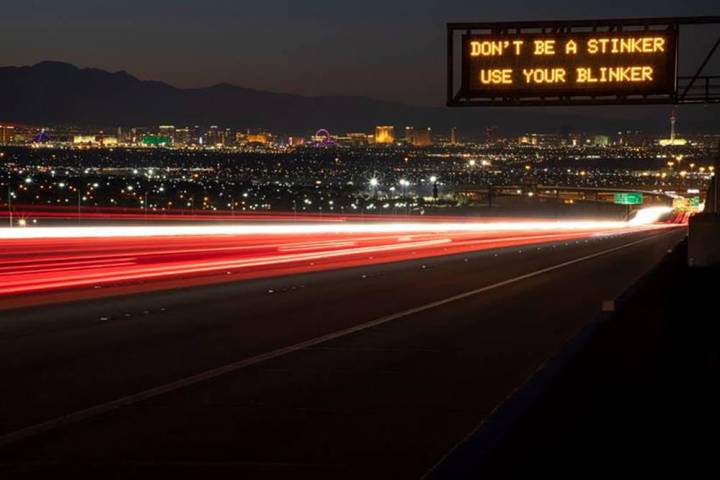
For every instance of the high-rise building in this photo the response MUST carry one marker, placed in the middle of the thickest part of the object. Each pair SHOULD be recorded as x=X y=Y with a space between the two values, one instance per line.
x=384 y=134
x=357 y=139
x=7 y=134
x=418 y=137
x=216 y=137
x=241 y=138
x=137 y=134
x=167 y=131
x=601 y=140
x=182 y=136
x=296 y=141
x=261 y=138
x=453 y=136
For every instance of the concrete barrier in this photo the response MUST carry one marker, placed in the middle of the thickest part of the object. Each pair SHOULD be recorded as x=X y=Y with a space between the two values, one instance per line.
x=704 y=240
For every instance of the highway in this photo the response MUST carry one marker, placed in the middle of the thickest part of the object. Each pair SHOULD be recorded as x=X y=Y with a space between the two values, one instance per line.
x=354 y=367
x=89 y=262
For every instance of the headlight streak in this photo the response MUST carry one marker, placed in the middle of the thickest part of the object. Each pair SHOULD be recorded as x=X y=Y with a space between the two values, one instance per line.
x=643 y=217
x=83 y=258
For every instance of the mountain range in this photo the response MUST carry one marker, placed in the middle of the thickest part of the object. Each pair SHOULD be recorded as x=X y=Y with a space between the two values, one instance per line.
x=57 y=93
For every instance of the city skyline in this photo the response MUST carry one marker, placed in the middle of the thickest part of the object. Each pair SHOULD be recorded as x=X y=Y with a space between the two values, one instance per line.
x=53 y=93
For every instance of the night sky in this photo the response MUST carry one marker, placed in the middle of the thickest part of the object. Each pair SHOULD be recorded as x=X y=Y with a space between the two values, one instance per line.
x=387 y=49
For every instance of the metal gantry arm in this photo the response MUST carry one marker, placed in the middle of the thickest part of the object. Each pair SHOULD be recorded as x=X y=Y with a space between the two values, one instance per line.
x=690 y=85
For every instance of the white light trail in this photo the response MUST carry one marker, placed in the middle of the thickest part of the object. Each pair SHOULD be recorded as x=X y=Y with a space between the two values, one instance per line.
x=647 y=216
x=644 y=217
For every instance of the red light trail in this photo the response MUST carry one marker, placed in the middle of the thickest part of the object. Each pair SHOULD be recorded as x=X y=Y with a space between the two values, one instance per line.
x=58 y=259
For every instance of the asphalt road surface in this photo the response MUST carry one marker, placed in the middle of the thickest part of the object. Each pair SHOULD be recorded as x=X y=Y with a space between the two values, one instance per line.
x=375 y=371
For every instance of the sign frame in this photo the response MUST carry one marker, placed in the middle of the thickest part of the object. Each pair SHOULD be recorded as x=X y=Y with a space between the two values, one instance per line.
x=695 y=89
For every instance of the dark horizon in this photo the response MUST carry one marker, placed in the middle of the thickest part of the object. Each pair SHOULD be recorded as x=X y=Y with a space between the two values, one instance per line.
x=54 y=94
x=312 y=49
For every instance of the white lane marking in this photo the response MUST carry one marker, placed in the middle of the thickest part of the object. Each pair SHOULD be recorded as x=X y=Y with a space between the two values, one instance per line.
x=428 y=474
x=103 y=408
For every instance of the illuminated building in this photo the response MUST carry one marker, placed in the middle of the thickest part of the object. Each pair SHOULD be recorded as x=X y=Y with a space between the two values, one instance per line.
x=167 y=131
x=573 y=140
x=384 y=135
x=122 y=135
x=418 y=138
x=540 y=139
x=42 y=137
x=95 y=140
x=182 y=136
x=196 y=135
x=673 y=141
x=17 y=133
x=601 y=140
x=453 y=136
x=296 y=141
x=260 y=138
x=136 y=135
x=217 y=137
x=7 y=134
x=528 y=140
x=357 y=139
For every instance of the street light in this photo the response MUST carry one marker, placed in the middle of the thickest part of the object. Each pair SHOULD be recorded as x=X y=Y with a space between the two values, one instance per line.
x=374 y=182
x=404 y=184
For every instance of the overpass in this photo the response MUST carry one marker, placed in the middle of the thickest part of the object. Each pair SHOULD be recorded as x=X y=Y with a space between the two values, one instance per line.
x=561 y=193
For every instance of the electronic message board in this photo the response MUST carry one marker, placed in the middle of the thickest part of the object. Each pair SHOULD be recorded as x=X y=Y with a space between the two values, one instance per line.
x=564 y=64
x=631 y=61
